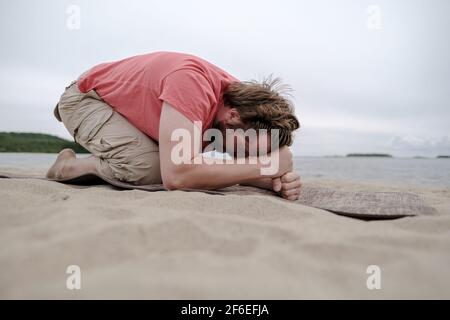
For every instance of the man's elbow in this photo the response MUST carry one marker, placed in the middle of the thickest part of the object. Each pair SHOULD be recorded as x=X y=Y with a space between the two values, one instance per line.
x=174 y=182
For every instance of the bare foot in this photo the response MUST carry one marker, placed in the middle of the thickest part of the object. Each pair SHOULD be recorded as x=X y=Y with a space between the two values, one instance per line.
x=56 y=171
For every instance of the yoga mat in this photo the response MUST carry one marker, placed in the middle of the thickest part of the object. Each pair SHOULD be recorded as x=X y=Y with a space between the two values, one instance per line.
x=361 y=204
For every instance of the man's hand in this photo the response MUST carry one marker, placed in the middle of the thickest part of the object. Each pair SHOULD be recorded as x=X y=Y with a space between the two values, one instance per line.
x=288 y=185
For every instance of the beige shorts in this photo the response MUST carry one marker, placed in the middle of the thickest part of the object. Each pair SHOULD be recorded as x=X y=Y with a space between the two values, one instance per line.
x=122 y=151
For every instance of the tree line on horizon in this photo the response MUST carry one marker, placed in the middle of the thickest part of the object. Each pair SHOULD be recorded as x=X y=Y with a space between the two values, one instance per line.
x=46 y=143
x=36 y=142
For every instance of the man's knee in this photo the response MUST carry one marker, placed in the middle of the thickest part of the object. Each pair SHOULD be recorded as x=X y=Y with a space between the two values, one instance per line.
x=56 y=113
x=139 y=170
x=145 y=169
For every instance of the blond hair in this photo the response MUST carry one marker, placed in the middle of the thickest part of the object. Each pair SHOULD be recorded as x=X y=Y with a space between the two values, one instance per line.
x=264 y=105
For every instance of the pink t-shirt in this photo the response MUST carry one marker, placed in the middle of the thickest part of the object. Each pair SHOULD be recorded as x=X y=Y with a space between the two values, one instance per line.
x=136 y=88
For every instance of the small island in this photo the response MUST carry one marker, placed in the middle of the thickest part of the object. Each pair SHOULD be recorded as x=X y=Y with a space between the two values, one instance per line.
x=378 y=155
x=443 y=157
x=35 y=142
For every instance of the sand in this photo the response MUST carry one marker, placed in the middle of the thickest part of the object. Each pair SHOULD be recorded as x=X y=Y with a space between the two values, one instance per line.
x=180 y=245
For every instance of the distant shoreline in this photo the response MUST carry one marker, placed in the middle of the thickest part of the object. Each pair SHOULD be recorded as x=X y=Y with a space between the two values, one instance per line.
x=378 y=155
x=30 y=142
x=35 y=143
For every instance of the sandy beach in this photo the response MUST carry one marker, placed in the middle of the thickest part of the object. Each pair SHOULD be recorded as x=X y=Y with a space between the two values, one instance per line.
x=179 y=245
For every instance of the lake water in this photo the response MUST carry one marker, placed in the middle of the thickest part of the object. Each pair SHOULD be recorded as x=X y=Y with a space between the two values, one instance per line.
x=429 y=172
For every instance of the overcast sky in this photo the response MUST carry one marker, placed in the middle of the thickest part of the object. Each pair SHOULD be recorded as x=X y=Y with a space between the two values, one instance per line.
x=369 y=76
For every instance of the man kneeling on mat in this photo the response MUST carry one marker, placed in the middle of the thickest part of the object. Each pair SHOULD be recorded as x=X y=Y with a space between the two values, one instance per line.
x=128 y=114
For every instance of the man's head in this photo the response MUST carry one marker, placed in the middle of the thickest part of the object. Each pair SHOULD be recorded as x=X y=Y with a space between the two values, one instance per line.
x=258 y=105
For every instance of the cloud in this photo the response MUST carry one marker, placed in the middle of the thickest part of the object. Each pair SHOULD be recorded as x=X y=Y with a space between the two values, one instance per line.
x=355 y=89
x=421 y=146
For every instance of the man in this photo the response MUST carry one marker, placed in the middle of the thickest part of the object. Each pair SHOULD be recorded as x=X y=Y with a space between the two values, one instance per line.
x=126 y=112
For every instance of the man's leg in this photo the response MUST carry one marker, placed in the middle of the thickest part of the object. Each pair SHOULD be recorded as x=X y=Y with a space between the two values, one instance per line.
x=67 y=166
x=120 y=151
x=124 y=153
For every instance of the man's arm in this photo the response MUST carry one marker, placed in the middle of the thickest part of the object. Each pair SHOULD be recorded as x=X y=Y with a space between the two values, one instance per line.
x=203 y=175
x=288 y=185
x=263 y=183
